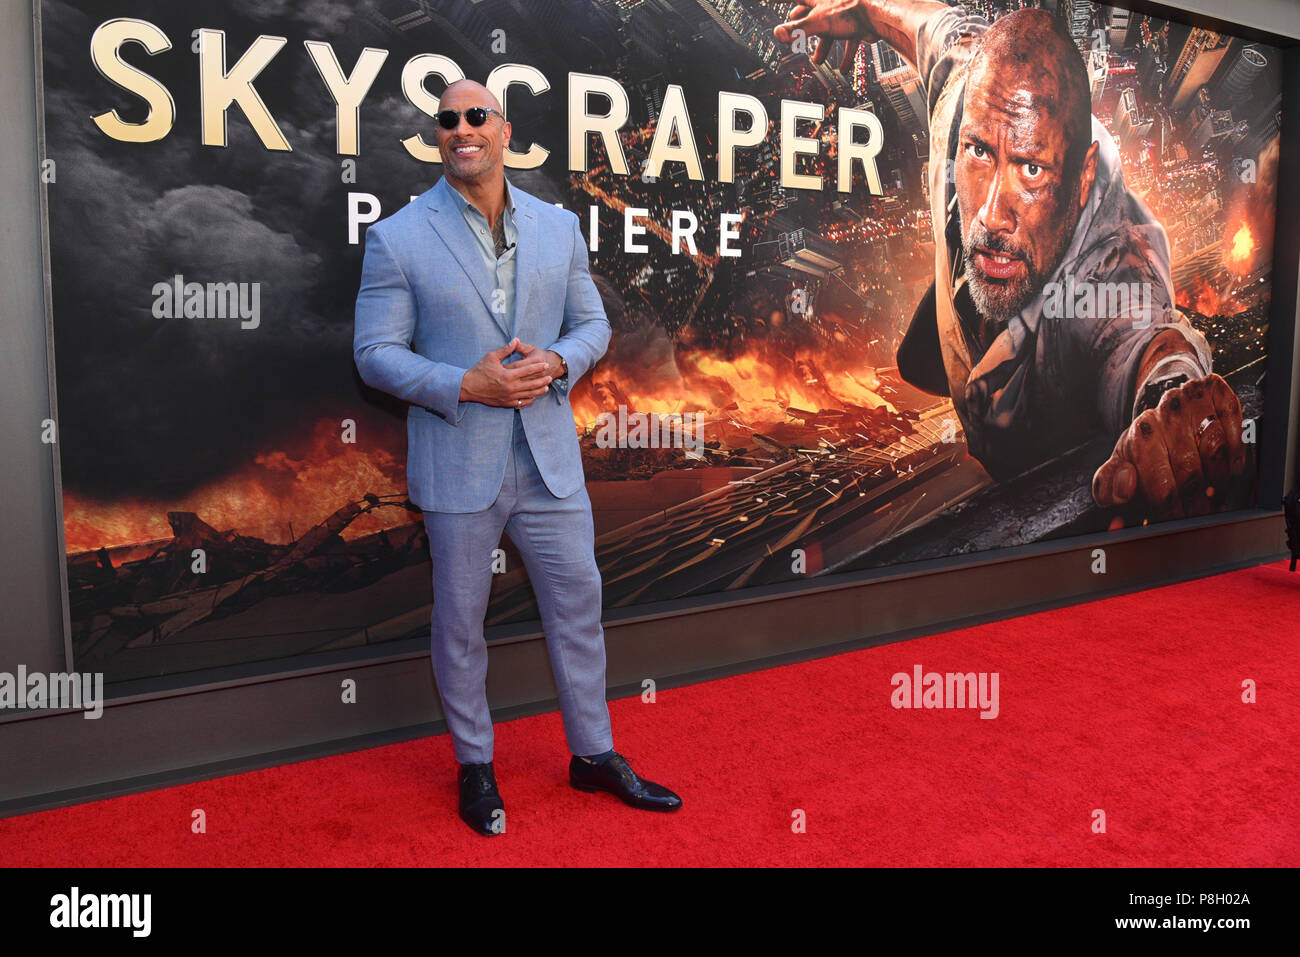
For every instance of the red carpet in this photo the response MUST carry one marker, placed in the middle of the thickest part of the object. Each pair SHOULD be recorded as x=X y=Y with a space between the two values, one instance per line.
x=1130 y=705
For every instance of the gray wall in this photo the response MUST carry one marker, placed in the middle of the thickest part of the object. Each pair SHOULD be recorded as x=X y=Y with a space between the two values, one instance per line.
x=1275 y=16
x=58 y=759
x=31 y=628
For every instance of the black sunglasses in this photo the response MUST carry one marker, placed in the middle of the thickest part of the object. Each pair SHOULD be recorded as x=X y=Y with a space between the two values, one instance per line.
x=475 y=116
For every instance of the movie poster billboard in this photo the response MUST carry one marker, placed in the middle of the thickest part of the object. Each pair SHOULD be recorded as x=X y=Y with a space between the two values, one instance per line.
x=858 y=320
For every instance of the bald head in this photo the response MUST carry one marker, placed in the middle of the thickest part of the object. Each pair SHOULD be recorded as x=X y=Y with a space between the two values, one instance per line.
x=1040 y=68
x=462 y=94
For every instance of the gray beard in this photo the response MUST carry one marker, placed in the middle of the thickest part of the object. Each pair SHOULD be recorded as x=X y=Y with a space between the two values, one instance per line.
x=993 y=304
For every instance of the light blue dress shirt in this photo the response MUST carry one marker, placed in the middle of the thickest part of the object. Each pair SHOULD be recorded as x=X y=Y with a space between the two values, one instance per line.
x=502 y=267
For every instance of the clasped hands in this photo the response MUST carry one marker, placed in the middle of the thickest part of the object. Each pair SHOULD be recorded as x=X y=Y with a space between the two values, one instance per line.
x=493 y=381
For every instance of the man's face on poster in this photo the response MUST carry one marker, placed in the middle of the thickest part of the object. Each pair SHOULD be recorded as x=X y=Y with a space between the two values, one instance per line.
x=1018 y=198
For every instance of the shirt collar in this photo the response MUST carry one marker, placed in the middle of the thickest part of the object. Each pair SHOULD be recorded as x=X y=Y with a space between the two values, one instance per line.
x=462 y=203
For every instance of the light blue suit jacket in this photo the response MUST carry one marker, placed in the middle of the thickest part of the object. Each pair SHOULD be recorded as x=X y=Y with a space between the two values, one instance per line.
x=424 y=316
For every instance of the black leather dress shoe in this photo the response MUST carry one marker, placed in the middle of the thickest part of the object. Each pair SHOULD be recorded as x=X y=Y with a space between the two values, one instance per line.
x=615 y=776
x=480 y=804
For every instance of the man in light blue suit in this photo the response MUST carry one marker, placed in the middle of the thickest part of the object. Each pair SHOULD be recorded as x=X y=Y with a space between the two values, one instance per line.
x=477 y=307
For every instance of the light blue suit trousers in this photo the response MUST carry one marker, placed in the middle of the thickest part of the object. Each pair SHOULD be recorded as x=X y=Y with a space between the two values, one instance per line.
x=556 y=538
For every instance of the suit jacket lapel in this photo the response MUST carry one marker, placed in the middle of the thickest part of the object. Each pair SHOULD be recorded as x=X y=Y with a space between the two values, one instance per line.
x=450 y=225
x=525 y=266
